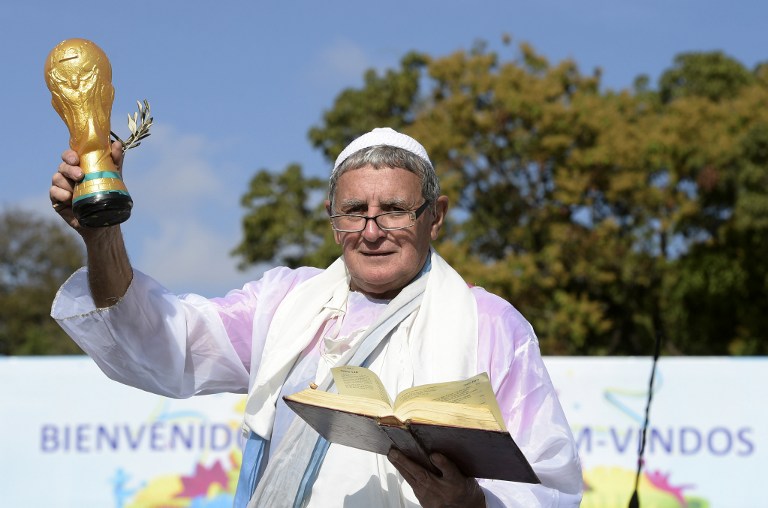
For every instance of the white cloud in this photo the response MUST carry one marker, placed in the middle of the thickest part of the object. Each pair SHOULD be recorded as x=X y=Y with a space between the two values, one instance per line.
x=186 y=215
x=174 y=171
x=188 y=257
x=346 y=59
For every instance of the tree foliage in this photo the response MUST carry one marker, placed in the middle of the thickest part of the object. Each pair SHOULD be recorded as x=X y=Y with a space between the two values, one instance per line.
x=281 y=223
x=36 y=257
x=607 y=217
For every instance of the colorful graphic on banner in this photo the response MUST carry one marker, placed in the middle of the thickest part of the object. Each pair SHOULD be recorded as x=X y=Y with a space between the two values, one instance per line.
x=208 y=486
x=702 y=446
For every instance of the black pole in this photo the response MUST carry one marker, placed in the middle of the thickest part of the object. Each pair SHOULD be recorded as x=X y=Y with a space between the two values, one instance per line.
x=634 y=501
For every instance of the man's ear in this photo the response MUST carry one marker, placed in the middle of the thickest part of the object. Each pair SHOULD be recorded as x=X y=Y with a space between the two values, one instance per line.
x=336 y=235
x=441 y=209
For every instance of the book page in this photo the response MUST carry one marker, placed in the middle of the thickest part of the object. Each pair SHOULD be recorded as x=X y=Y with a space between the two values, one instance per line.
x=475 y=391
x=438 y=412
x=336 y=402
x=360 y=382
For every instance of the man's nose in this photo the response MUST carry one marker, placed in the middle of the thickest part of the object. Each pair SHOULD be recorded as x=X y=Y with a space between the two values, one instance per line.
x=372 y=230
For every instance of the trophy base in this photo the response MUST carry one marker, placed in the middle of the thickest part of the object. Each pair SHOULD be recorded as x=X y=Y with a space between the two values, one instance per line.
x=102 y=210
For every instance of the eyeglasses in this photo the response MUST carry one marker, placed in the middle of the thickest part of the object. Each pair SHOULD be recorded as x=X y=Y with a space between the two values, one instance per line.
x=387 y=221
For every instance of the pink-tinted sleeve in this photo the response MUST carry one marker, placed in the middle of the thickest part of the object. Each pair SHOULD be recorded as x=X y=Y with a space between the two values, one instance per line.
x=247 y=312
x=509 y=351
x=175 y=345
x=152 y=339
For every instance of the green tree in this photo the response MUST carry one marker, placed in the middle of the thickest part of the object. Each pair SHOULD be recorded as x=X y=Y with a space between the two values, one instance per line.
x=36 y=257
x=606 y=217
x=383 y=100
x=284 y=220
x=712 y=75
x=719 y=290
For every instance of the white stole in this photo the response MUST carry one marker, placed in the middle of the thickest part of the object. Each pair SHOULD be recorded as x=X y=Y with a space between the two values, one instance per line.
x=442 y=336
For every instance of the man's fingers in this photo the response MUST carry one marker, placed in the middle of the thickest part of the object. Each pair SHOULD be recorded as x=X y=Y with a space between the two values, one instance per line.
x=69 y=171
x=63 y=182
x=411 y=471
x=66 y=177
x=446 y=466
x=61 y=192
x=450 y=489
x=59 y=195
x=464 y=488
x=70 y=157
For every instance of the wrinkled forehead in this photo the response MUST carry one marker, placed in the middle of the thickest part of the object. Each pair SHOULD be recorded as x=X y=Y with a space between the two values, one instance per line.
x=378 y=185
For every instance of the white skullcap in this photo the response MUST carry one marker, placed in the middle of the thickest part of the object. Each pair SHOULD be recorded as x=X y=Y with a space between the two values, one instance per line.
x=382 y=136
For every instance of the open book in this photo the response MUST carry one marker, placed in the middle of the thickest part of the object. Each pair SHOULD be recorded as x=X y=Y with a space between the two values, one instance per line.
x=459 y=419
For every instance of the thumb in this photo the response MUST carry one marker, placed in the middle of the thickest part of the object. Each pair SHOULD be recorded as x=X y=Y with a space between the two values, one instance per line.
x=446 y=466
x=117 y=155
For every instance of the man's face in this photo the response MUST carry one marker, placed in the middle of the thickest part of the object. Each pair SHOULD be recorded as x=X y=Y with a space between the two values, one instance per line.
x=381 y=262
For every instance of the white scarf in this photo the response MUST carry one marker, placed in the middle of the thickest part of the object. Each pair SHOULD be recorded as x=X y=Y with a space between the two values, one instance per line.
x=442 y=339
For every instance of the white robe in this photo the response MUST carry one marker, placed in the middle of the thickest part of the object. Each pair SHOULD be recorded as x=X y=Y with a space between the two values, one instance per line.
x=185 y=345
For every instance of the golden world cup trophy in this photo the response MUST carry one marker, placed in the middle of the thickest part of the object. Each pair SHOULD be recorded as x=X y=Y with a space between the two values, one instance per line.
x=79 y=76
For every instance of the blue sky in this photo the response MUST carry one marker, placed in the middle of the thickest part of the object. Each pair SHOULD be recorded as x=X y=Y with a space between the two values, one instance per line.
x=235 y=86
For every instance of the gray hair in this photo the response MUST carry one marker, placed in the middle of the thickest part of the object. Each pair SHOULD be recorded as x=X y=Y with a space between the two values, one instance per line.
x=385 y=156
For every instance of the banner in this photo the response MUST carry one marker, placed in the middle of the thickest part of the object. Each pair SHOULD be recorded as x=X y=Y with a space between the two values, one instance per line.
x=71 y=437
x=706 y=444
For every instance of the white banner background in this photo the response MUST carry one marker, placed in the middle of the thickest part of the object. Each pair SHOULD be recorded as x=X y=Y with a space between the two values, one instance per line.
x=73 y=438
x=708 y=437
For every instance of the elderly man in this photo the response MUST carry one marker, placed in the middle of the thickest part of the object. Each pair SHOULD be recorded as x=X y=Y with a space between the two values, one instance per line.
x=390 y=302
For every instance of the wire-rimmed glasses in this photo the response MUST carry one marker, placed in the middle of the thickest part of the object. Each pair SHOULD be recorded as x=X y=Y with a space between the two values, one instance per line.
x=386 y=221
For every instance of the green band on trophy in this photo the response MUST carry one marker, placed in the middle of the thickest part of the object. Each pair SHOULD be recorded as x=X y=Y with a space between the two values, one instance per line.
x=101 y=174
